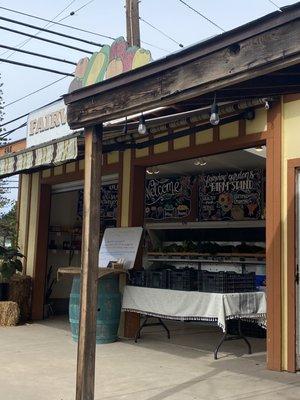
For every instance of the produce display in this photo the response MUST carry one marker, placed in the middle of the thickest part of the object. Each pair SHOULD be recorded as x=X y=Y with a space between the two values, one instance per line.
x=189 y=246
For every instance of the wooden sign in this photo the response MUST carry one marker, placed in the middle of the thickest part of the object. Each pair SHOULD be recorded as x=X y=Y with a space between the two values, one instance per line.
x=120 y=243
x=231 y=196
x=169 y=198
x=109 y=62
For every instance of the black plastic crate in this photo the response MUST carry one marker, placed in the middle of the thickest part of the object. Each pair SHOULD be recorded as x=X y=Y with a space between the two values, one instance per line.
x=249 y=328
x=215 y=282
x=181 y=279
x=137 y=277
x=228 y=282
x=157 y=279
x=238 y=283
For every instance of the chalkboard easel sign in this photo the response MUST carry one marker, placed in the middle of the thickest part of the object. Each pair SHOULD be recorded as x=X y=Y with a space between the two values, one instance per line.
x=231 y=196
x=109 y=202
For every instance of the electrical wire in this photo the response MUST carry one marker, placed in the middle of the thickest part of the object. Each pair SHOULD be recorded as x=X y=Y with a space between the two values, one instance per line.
x=37 y=54
x=58 y=23
x=45 y=40
x=34 y=92
x=160 y=31
x=275 y=5
x=22 y=44
x=201 y=15
x=13 y=21
x=3 y=136
x=20 y=64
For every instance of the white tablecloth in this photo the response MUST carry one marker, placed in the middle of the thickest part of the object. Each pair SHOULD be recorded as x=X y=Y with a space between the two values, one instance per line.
x=201 y=306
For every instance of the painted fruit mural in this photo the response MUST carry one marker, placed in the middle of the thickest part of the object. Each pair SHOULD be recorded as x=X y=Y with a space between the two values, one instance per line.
x=110 y=61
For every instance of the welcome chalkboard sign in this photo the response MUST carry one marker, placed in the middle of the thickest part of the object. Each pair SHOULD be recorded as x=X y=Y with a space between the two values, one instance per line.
x=231 y=195
x=169 y=198
x=109 y=202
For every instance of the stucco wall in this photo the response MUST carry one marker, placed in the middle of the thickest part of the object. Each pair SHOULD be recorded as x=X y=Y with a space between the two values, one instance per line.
x=290 y=150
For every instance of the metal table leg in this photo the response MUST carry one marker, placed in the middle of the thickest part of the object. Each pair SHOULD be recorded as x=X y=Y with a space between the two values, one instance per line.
x=145 y=323
x=226 y=337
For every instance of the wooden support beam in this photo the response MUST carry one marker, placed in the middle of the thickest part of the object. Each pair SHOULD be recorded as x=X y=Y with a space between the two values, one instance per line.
x=164 y=84
x=85 y=381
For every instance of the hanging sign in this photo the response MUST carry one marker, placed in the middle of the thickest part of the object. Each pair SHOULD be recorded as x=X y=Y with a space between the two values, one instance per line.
x=109 y=62
x=109 y=202
x=120 y=244
x=231 y=196
x=169 y=198
x=47 y=123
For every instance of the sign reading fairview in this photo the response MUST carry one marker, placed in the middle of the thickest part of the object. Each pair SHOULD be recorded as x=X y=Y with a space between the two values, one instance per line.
x=47 y=123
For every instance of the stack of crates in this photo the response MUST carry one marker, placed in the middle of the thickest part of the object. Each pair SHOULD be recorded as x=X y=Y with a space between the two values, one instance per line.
x=137 y=277
x=157 y=279
x=228 y=282
x=181 y=279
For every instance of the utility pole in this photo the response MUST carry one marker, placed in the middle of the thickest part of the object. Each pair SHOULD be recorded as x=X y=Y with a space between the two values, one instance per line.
x=133 y=22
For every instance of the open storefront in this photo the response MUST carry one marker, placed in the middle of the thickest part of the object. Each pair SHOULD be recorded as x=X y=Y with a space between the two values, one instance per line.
x=225 y=206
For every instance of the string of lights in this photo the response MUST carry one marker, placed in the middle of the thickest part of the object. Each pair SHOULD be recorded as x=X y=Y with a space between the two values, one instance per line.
x=160 y=31
x=202 y=15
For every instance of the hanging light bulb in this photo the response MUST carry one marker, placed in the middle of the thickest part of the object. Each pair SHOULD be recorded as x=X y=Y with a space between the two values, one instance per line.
x=142 y=129
x=200 y=162
x=155 y=170
x=267 y=105
x=214 y=112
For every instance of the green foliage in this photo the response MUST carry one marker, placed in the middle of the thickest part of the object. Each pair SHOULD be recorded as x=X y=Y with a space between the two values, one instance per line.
x=8 y=225
x=10 y=262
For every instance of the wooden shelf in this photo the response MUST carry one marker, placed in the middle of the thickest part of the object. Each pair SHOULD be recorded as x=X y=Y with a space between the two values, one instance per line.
x=187 y=254
x=207 y=225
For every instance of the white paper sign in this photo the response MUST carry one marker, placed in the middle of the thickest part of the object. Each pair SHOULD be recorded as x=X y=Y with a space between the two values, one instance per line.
x=47 y=123
x=120 y=243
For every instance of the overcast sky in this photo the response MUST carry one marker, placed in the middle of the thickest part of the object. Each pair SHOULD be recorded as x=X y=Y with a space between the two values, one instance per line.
x=105 y=17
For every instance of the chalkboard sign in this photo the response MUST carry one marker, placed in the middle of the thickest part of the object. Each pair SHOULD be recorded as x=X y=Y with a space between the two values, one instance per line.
x=231 y=196
x=109 y=202
x=169 y=198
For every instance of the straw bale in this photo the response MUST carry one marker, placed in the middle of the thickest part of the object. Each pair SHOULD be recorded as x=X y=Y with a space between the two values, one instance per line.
x=9 y=313
x=20 y=292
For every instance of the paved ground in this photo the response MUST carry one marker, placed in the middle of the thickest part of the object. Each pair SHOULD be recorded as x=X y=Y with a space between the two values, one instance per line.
x=38 y=363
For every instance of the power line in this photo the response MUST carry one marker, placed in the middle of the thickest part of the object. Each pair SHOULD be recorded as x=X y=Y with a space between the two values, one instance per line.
x=58 y=23
x=25 y=115
x=201 y=15
x=45 y=40
x=160 y=31
x=155 y=47
x=37 y=54
x=3 y=136
x=34 y=92
x=274 y=4
x=20 y=64
x=51 y=31
x=22 y=44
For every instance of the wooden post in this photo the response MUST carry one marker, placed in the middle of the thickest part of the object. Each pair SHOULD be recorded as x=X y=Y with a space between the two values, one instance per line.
x=85 y=381
x=133 y=22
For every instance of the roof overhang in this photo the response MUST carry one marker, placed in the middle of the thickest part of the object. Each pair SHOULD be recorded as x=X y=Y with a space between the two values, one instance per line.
x=253 y=50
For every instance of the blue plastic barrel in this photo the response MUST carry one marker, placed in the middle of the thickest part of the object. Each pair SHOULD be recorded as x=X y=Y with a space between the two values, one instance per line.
x=108 y=309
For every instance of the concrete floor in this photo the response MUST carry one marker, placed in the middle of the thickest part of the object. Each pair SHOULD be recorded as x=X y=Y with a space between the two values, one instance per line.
x=38 y=363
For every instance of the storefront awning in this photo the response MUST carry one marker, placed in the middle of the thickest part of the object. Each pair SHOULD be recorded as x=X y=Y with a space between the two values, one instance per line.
x=52 y=153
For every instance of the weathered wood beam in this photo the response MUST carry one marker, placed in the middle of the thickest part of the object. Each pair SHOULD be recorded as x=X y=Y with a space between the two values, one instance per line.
x=266 y=52
x=85 y=381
